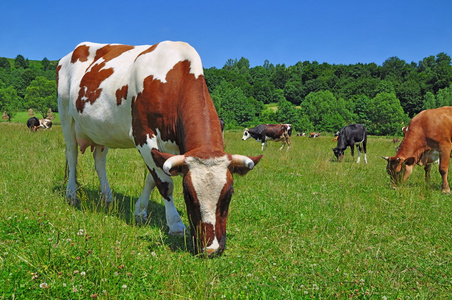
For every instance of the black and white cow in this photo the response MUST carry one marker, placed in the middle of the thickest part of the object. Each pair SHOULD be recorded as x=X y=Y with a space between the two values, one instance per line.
x=348 y=137
x=264 y=132
x=33 y=124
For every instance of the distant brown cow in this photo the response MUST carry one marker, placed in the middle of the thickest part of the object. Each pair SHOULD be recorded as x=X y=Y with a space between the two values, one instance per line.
x=427 y=137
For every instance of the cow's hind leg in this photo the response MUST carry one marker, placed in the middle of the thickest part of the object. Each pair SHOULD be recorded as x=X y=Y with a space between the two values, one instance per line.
x=365 y=150
x=100 y=162
x=359 y=153
x=444 y=167
x=71 y=159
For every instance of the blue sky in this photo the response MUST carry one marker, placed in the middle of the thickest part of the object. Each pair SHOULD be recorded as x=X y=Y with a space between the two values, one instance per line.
x=282 y=32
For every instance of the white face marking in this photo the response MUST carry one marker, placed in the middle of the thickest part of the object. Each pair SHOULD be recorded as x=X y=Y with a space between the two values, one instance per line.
x=208 y=177
x=246 y=135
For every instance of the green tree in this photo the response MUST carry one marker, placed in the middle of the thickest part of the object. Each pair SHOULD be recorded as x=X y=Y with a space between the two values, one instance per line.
x=233 y=106
x=409 y=94
x=9 y=101
x=429 y=101
x=293 y=91
x=41 y=95
x=444 y=97
x=20 y=62
x=325 y=112
x=386 y=115
x=4 y=64
x=362 y=110
x=286 y=113
x=45 y=64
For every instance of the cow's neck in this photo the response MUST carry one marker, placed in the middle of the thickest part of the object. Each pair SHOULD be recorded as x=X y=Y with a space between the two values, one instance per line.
x=198 y=126
x=412 y=146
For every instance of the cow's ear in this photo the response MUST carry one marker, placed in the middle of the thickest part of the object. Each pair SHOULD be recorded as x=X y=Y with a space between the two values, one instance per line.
x=243 y=164
x=161 y=157
x=410 y=161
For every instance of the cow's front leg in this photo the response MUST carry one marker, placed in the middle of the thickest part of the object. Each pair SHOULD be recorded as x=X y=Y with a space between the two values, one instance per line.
x=427 y=169
x=141 y=215
x=100 y=161
x=165 y=186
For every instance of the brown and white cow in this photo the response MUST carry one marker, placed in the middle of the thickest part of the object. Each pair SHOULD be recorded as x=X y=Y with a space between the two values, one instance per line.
x=427 y=137
x=45 y=123
x=264 y=132
x=153 y=98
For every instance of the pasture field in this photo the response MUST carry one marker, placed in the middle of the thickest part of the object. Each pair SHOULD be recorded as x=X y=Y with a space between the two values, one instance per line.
x=301 y=226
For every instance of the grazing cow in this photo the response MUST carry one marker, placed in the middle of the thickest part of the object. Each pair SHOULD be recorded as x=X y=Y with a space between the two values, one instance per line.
x=314 y=135
x=264 y=132
x=301 y=134
x=395 y=140
x=348 y=137
x=427 y=139
x=153 y=98
x=33 y=124
x=45 y=123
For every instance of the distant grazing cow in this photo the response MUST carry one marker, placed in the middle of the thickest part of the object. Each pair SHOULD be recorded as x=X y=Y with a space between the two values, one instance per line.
x=264 y=132
x=314 y=135
x=45 y=123
x=348 y=137
x=154 y=98
x=395 y=140
x=33 y=124
x=301 y=134
x=427 y=137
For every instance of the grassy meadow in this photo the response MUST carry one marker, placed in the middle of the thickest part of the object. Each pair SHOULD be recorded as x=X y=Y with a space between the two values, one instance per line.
x=301 y=226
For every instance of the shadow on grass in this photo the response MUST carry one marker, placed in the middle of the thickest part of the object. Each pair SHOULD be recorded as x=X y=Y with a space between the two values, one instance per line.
x=123 y=207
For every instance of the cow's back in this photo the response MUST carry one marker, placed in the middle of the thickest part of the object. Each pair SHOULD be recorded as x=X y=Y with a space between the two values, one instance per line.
x=435 y=124
x=98 y=84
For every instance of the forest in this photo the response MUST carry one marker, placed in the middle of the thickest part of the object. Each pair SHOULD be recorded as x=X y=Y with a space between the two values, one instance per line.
x=309 y=95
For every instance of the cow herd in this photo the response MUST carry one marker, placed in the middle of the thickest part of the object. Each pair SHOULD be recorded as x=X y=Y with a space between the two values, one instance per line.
x=155 y=99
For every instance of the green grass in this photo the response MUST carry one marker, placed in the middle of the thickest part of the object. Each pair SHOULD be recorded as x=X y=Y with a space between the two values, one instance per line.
x=301 y=226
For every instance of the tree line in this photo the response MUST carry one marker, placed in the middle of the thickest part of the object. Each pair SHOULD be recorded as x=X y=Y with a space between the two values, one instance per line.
x=309 y=95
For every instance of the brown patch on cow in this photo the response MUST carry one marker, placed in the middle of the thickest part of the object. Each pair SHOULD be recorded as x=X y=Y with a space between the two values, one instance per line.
x=58 y=73
x=181 y=108
x=121 y=94
x=90 y=84
x=80 y=53
x=162 y=186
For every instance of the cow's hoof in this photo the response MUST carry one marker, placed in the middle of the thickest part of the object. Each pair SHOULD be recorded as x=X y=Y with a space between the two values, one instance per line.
x=141 y=219
x=177 y=229
x=73 y=202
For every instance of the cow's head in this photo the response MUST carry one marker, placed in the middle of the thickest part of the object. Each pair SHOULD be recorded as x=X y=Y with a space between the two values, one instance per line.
x=246 y=134
x=339 y=153
x=399 y=169
x=208 y=188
